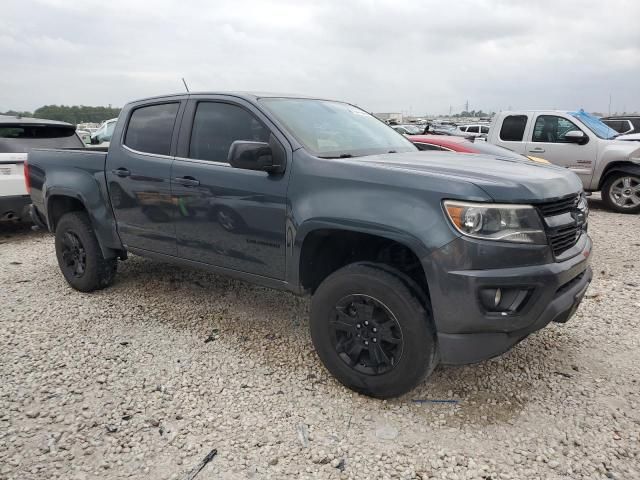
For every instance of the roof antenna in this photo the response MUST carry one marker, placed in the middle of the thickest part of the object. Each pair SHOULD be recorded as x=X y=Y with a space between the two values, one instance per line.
x=185 y=84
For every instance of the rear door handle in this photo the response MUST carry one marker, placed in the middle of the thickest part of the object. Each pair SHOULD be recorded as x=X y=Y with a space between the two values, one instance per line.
x=121 y=172
x=537 y=150
x=187 y=181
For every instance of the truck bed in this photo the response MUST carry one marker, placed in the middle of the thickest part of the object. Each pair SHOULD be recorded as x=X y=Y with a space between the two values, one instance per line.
x=57 y=167
x=73 y=174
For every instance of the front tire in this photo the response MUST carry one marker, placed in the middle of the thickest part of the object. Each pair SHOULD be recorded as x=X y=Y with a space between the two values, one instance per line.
x=621 y=193
x=372 y=330
x=79 y=255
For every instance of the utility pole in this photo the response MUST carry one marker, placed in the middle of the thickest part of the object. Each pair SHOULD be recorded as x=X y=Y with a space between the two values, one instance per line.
x=466 y=106
x=609 y=104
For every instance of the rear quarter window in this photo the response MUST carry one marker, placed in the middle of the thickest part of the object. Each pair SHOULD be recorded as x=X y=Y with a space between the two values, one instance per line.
x=513 y=127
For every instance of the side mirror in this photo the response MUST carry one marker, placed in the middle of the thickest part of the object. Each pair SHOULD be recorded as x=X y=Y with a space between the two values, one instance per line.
x=267 y=157
x=576 y=136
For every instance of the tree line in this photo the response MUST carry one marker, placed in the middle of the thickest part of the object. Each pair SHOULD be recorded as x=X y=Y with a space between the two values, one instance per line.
x=72 y=114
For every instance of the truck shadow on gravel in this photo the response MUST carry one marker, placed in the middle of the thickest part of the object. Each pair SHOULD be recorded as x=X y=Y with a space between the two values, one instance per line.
x=16 y=231
x=242 y=316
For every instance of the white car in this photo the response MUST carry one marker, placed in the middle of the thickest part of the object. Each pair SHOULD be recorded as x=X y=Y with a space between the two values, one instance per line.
x=102 y=136
x=580 y=142
x=475 y=130
x=17 y=137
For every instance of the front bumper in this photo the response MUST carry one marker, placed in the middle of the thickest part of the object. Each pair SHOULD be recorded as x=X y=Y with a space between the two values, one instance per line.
x=468 y=333
x=14 y=207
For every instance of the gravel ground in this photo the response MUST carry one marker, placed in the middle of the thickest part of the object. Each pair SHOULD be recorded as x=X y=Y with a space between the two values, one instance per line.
x=145 y=378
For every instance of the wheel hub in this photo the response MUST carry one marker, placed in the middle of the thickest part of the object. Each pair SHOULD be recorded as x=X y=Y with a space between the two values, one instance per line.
x=73 y=254
x=366 y=334
x=625 y=192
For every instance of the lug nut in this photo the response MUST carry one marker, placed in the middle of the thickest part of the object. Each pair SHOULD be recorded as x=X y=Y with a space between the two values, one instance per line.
x=375 y=340
x=366 y=322
x=357 y=325
x=366 y=343
x=375 y=329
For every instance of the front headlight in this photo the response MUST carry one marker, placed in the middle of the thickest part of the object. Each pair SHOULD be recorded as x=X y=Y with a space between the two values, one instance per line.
x=493 y=221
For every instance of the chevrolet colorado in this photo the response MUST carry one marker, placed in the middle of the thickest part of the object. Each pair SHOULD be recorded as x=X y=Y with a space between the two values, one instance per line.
x=413 y=258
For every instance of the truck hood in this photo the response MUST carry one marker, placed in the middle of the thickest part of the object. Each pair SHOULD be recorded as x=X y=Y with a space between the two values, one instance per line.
x=503 y=179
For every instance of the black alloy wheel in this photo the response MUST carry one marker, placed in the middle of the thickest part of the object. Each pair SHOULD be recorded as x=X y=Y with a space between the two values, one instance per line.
x=366 y=334
x=74 y=254
x=372 y=327
x=80 y=257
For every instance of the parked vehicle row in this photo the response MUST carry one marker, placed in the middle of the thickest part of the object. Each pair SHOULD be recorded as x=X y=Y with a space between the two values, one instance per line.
x=412 y=258
x=581 y=143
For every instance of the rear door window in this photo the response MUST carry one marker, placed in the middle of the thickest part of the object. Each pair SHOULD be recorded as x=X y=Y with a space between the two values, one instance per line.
x=150 y=128
x=484 y=129
x=474 y=129
x=513 y=128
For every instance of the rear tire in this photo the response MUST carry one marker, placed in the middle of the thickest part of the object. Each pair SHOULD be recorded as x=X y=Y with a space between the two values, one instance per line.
x=79 y=255
x=621 y=193
x=372 y=331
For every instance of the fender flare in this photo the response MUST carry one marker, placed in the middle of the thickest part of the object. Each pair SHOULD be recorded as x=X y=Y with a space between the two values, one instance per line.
x=104 y=228
x=313 y=225
x=620 y=167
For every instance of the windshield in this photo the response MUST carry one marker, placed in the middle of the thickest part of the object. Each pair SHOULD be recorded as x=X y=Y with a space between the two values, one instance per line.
x=595 y=125
x=333 y=129
x=413 y=129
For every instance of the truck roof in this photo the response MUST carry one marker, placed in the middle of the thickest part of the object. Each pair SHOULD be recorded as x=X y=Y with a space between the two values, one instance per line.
x=540 y=110
x=251 y=96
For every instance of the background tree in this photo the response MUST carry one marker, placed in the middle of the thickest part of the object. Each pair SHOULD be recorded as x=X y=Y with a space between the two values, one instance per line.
x=76 y=114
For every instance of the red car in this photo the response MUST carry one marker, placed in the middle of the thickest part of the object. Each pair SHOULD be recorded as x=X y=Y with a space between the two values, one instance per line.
x=463 y=145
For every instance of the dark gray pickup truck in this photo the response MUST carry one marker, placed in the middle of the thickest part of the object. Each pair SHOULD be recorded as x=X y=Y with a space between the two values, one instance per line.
x=413 y=258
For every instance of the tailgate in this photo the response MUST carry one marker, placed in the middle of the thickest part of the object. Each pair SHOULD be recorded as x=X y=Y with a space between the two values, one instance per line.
x=12 y=174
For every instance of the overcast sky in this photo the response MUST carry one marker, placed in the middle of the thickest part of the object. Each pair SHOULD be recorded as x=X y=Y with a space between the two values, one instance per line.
x=386 y=56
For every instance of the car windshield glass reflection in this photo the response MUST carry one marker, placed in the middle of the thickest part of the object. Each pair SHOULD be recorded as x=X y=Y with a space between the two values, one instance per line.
x=334 y=129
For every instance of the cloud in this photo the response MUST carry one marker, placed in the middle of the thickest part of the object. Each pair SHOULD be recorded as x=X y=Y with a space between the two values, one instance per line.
x=423 y=57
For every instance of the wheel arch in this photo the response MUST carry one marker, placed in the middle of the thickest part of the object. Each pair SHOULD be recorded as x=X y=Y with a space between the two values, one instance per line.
x=62 y=201
x=618 y=167
x=322 y=247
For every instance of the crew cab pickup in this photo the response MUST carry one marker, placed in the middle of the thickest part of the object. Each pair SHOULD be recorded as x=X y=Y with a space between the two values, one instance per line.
x=412 y=258
x=580 y=142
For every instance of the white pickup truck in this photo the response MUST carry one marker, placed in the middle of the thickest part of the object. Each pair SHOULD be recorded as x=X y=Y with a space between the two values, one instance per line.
x=580 y=142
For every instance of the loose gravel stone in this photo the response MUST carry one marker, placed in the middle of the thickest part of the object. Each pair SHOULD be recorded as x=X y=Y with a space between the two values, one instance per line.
x=122 y=382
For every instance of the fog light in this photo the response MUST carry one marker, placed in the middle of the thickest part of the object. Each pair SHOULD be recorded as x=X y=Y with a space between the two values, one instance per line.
x=497 y=297
x=504 y=300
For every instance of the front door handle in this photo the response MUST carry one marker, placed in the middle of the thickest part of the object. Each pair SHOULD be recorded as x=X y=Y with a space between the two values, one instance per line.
x=537 y=150
x=121 y=172
x=187 y=181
